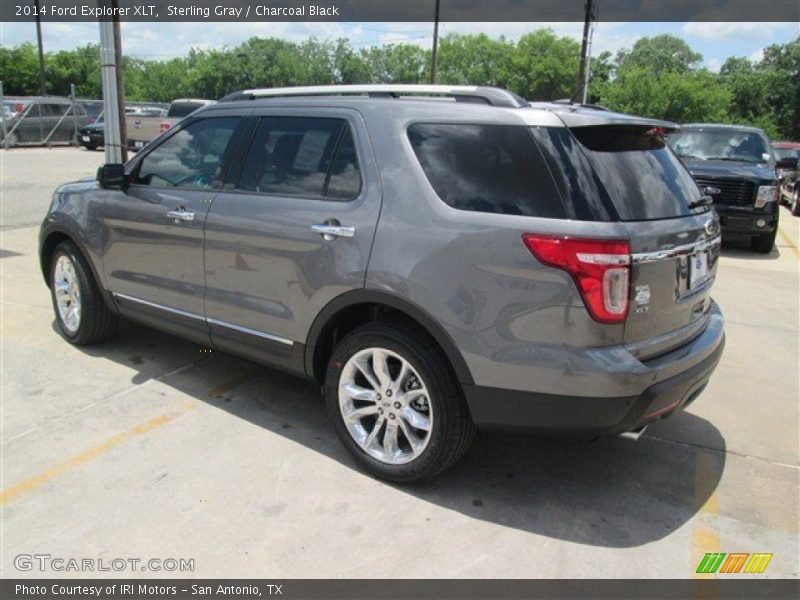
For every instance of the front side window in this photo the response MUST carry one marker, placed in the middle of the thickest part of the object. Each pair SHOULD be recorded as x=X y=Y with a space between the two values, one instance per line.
x=192 y=158
x=487 y=168
x=305 y=157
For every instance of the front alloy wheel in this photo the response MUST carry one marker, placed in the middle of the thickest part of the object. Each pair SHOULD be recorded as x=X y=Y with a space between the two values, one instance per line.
x=384 y=405
x=67 y=294
x=81 y=312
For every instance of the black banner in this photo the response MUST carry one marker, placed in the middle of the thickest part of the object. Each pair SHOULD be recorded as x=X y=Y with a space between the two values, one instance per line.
x=398 y=10
x=738 y=588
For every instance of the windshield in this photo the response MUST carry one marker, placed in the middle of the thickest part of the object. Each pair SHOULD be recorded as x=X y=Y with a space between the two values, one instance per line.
x=720 y=144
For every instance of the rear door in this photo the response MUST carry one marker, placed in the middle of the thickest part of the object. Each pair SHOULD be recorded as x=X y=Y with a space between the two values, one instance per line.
x=293 y=232
x=631 y=176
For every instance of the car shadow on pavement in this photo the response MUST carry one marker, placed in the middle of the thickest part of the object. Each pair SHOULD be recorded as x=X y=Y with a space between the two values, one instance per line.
x=610 y=492
x=739 y=247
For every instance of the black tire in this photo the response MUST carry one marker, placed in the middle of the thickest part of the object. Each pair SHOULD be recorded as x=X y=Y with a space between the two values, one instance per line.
x=97 y=322
x=764 y=243
x=91 y=147
x=796 y=202
x=452 y=430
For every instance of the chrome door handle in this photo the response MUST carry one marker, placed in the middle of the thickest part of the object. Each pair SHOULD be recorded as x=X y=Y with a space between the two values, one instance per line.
x=330 y=231
x=181 y=215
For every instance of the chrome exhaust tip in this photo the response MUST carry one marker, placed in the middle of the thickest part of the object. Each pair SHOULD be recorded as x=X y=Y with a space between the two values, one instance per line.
x=633 y=434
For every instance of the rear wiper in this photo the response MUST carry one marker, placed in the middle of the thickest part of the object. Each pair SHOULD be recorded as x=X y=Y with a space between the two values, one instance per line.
x=703 y=201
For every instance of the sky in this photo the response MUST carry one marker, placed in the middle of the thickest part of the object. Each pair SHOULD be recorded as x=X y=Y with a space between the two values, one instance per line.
x=715 y=41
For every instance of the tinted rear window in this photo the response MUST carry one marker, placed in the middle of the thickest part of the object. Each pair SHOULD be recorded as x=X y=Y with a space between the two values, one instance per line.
x=487 y=168
x=183 y=109
x=619 y=173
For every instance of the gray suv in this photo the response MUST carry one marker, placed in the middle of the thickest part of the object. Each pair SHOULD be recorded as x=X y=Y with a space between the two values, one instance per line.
x=439 y=259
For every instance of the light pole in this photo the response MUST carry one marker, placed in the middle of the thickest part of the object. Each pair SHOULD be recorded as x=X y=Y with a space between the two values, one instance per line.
x=42 y=87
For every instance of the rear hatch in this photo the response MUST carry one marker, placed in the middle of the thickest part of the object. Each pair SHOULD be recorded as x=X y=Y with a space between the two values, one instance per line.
x=626 y=174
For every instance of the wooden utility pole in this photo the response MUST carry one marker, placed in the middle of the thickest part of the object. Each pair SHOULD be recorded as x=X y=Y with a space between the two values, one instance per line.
x=587 y=23
x=434 y=55
x=42 y=86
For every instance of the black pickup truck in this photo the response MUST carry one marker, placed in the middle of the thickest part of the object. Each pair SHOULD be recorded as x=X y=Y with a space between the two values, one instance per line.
x=735 y=167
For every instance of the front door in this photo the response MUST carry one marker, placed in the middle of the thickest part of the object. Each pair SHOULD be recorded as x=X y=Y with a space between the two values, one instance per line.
x=154 y=255
x=293 y=232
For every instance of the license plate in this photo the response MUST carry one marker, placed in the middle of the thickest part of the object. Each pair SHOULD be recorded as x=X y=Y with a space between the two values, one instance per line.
x=138 y=144
x=86 y=138
x=698 y=269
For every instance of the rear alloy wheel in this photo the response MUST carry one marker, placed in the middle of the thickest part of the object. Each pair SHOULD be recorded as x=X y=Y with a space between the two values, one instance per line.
x=81 y=313
x=764 y=243
x=396 y=404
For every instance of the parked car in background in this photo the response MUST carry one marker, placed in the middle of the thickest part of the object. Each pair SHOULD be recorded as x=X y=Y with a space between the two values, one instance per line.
x=787 y=177
x=440 y=264
x=41 y=119
x=93 y=108
x=735 y=168
x=181 y=108
x=142 y=125
x=92 y=136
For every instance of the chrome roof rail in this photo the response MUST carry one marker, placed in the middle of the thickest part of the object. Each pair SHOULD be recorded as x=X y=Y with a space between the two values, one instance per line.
x=463 y=93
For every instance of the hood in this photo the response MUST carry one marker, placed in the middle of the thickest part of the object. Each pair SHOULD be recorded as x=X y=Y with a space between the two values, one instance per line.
x=80 y=185
x=760 y=173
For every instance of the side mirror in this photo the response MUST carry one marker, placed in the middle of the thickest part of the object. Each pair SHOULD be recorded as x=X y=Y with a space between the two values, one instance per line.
x=787 y=164
x=111 y=176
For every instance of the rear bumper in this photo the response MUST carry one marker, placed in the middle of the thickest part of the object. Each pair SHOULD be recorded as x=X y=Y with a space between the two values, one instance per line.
x=745 y=220
x=589 y=416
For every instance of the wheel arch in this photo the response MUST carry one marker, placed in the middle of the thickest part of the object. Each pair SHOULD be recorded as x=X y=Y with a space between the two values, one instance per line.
x=362 y=306
x=50 y=240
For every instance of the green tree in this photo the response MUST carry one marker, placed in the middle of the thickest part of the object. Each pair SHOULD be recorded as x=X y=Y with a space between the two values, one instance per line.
x=544 y=66
x=660 y=54
x=680 y=97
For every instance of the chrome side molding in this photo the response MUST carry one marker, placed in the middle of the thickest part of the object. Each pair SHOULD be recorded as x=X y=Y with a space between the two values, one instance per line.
x=189 y=315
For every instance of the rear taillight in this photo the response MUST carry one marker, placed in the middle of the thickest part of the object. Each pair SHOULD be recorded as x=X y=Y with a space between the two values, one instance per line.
x=163 y=127
x=600 y=268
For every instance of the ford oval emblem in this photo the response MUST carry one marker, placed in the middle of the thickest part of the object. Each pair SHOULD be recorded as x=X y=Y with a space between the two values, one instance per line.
x=712 y=191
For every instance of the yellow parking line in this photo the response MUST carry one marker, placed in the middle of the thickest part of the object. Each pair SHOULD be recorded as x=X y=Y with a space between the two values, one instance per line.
x=36 y=481
x=785 y=237
x=705 y=537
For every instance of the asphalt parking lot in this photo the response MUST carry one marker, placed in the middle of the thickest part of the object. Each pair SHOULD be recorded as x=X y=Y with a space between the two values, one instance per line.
x=152 y=447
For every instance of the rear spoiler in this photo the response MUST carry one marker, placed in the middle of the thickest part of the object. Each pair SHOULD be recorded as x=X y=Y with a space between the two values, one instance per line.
x=583 y=116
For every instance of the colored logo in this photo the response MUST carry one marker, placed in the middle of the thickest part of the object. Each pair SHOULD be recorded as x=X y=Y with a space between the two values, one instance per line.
x=735 y=562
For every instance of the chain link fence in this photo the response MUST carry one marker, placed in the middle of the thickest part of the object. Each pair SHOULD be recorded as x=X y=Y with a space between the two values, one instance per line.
x=40 y=120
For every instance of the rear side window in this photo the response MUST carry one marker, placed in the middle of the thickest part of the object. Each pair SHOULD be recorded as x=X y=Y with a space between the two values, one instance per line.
x=487 y=168
x=305 y=157
x=613 y=173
